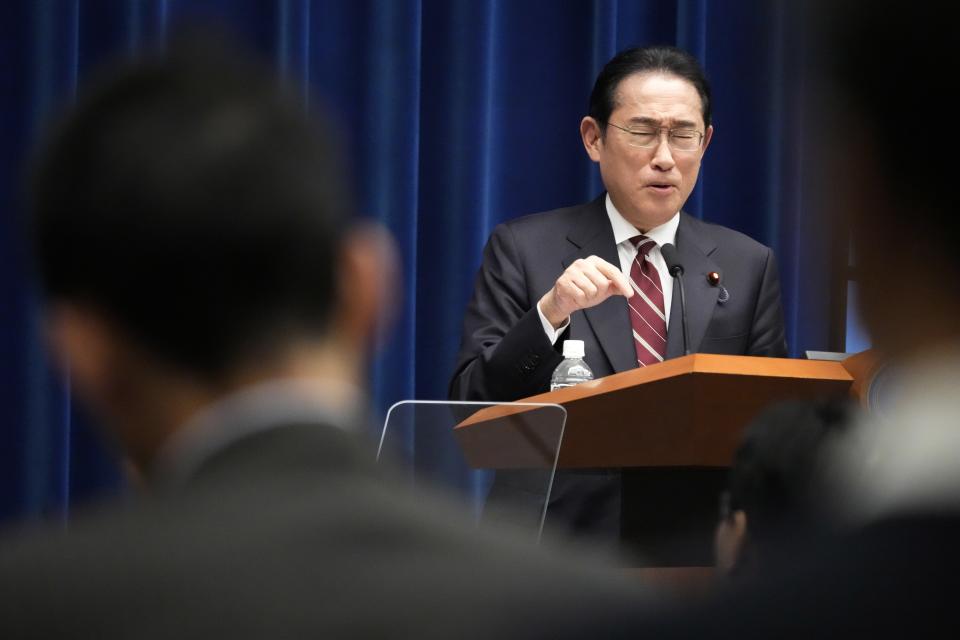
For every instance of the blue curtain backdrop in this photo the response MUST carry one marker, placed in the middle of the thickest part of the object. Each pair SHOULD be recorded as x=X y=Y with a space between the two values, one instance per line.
x=458 y=114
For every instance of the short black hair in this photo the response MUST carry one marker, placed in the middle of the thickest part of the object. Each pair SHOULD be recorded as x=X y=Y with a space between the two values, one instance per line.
x=192 y=200
x=777 y=472
x=659 y=59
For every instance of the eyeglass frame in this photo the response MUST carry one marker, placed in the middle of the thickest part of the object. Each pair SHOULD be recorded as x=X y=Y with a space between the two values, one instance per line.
x=659 y=137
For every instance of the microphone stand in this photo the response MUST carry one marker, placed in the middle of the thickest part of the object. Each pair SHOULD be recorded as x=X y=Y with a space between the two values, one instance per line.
x=677 y=272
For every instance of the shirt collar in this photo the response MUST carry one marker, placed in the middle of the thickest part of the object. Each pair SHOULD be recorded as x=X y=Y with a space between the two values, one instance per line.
x=257 y=408
x=666 y=233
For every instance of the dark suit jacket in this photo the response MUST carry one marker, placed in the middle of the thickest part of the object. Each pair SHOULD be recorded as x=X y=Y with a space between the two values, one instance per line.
x=505 y=355
x=288 y=533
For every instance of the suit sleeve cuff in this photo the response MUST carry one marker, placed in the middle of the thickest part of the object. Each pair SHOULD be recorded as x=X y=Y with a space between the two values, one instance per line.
x=552 y=334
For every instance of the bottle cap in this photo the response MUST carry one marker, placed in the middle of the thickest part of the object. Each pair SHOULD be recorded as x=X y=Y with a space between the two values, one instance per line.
x=573 y=348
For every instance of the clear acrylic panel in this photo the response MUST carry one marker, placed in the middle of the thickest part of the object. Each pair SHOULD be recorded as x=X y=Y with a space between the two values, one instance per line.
x=497 y=459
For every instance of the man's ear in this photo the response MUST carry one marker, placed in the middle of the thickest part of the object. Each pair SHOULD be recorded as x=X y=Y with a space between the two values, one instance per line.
x=369 y=285
x=707 y=137
x=730 y=540
x=592 y=139
x=84 y=346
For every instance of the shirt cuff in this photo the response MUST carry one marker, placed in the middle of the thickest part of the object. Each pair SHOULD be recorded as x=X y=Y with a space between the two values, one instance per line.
x=552 y=334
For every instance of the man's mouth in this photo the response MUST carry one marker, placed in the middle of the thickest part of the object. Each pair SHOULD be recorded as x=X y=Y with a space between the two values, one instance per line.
x=661 y=187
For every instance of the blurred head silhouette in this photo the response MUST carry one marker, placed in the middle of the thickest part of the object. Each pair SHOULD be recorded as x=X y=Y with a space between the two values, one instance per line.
x=775 y=483
x=889 y=157
x=193 y=235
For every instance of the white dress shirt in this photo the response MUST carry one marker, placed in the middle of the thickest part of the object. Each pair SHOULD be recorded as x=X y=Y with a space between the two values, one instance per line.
x=666 y=233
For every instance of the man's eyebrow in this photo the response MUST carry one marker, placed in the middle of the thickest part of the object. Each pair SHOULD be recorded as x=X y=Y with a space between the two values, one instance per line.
x=647 y=122
x=653 y=122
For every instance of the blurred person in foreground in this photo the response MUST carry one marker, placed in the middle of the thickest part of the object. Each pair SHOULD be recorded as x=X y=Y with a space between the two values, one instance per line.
x=213 y=303
x=775 y=493
x=889 y=155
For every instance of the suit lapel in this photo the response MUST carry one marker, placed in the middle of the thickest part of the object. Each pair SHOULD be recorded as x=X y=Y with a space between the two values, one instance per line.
x=694 y=248
x=610 y=320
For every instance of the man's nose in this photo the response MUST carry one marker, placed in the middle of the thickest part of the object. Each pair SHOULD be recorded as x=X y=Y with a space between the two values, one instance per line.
x=662 y=158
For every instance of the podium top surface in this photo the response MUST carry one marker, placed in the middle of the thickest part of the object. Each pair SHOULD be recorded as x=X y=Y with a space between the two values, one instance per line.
x=688 y=411
x=698 y=363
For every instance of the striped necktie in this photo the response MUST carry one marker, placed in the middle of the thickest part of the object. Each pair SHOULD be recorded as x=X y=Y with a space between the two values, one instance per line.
x=646 y=306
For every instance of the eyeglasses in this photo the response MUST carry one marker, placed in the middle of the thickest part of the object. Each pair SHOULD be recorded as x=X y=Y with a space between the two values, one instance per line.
x=647 y=137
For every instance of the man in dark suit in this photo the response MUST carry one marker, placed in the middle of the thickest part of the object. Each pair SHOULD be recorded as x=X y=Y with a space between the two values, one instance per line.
x=595 y=272
x=213 y=304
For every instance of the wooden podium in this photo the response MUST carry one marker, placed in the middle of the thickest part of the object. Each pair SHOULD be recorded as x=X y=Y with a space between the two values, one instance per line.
x=672 y=428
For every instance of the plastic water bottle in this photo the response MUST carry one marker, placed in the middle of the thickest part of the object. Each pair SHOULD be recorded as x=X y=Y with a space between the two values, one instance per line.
x=573 y=370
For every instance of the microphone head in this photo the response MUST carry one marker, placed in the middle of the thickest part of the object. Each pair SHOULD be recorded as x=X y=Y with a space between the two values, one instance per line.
x=669 y=253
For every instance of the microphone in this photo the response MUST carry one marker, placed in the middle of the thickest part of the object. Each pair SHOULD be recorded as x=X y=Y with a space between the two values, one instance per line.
x=669 y=253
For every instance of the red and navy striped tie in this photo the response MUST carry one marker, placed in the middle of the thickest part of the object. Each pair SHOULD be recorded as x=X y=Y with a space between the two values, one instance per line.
x=646 y=306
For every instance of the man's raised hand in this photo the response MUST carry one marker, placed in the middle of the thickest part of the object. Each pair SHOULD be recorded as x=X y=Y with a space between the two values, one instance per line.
x=585 y=283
